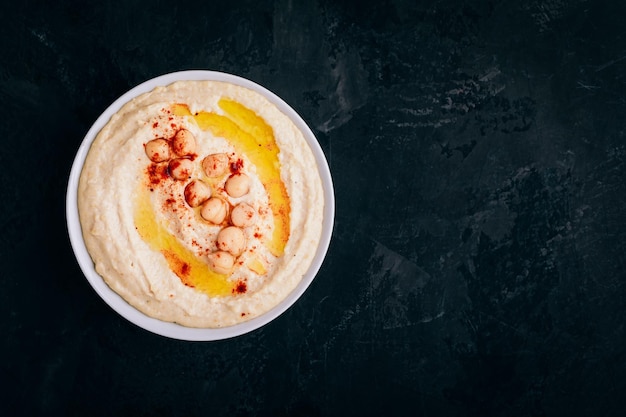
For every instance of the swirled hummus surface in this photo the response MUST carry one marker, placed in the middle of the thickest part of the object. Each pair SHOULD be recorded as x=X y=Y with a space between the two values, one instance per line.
x=201 y=204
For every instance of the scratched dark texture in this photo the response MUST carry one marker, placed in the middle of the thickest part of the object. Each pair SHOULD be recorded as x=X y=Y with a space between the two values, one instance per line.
x=477 y=263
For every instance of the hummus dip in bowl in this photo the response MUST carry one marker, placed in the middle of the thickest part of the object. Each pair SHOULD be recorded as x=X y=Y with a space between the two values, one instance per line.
x=200 y=206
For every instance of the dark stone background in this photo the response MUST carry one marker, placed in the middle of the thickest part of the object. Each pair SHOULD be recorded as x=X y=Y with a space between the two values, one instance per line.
x=477 y=263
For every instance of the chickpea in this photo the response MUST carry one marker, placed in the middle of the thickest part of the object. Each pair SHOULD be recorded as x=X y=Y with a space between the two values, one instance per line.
x=214 y=210
x=243 y=215
x=215 y=164
x=231 y=239
x=196 y=193
x=221 y=262
x=237 y=185
x=184 y=143
x=180 y=168
x=158 y=150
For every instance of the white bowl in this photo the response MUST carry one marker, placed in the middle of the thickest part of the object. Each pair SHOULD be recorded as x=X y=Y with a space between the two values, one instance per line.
x=116 y=302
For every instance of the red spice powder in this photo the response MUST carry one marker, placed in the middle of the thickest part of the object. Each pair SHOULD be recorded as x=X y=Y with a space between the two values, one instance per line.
x=181 y=268
x=236 y=167
x=240 y=288
x=156 y=173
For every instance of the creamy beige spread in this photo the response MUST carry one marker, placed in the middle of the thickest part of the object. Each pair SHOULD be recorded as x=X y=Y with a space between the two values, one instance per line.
x=201 y=204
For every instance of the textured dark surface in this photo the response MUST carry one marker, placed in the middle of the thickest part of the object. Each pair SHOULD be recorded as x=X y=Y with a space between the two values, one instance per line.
x=477 y=264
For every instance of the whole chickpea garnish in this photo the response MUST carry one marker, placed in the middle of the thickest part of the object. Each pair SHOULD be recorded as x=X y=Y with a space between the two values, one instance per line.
x=237 y=185
x=215 y=164
x=221 y=262
x=214 y=210
x=197 y=192
x=158 y=150
x=231 y=239
x=243 y=215
x=184 y=143
x=181 y=168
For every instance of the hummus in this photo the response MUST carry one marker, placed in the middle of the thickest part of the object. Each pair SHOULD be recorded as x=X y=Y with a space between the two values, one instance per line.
x=201 y=204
